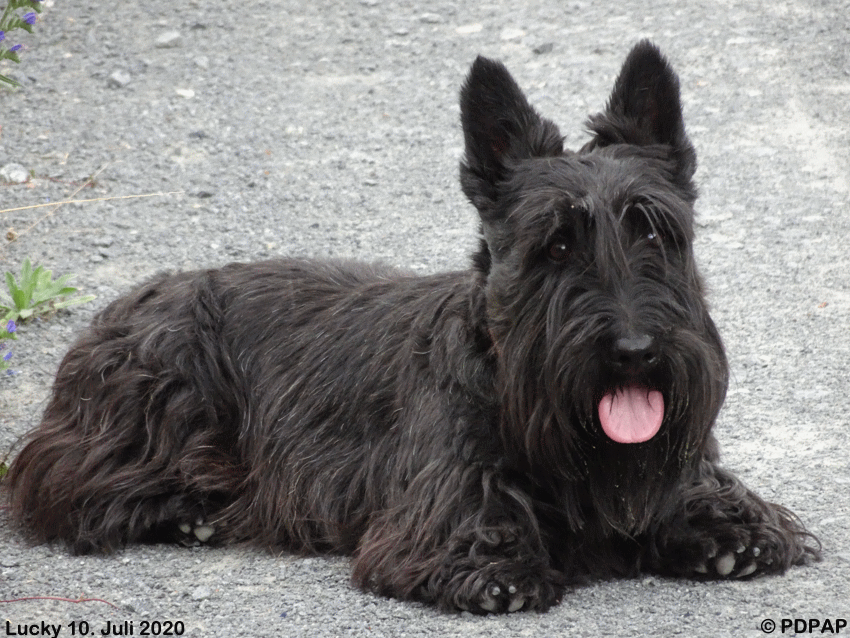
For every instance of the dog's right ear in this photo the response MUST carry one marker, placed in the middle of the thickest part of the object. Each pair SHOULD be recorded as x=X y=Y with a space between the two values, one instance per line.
x=499 y=129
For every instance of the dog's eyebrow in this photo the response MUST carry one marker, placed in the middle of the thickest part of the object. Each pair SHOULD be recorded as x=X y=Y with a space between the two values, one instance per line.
x=660 y=216
x=567 y=215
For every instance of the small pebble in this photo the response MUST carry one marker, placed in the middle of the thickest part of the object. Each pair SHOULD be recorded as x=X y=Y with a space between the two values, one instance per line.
x=14 y=173
x=511 y=34
x=468 y=29
x=201 y=593
x=119 y=79
x=168 y=40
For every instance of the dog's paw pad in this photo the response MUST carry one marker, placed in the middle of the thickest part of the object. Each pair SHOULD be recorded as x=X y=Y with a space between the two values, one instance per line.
x=204 y=532
x=490 y=600
x=746 y=571
x=740 y=564
x=500 y=598
x=725 y=564
x=516 y=604
x=199 y=532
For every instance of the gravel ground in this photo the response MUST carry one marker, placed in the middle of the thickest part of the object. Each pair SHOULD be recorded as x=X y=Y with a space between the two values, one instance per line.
x=331 y=128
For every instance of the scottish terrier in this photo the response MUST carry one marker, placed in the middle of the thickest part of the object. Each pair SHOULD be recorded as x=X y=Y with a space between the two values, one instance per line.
x=479 y=440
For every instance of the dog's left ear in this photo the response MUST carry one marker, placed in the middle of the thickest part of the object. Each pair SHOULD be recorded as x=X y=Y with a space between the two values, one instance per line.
x=500 y=128
x=645 y=109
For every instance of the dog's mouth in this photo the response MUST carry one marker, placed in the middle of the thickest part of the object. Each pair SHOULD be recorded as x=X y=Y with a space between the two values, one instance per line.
x=631 y=414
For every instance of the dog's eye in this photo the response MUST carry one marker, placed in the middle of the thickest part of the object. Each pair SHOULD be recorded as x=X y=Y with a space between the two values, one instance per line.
x=559 y=251
x=643 y=223
x=654 y=238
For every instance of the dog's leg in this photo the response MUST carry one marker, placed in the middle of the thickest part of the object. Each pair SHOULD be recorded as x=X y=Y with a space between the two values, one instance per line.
x=721 y=529
x=464 y=539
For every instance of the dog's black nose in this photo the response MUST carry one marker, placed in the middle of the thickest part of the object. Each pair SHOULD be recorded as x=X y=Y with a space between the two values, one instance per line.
x=634 y=353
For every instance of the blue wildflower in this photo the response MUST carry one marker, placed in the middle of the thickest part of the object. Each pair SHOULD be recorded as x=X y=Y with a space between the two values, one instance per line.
x=7 y=356
x=2 y=36
x=16 y=48
x=11 y=327
x=30 y=17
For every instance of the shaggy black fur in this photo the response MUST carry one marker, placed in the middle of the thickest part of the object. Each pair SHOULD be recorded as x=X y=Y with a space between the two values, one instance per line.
x=447 y=430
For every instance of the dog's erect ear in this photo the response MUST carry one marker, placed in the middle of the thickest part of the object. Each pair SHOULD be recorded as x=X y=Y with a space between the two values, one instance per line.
x=499 y=128
x=645 y=108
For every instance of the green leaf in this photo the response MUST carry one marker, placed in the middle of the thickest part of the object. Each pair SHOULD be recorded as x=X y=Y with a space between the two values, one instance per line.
x=63 y=280
x=59 y=285
x=29 y=279
x=14 y=22
x=73 y=302
x=26 y=270
x=3 y=78
x=20 y=298
x=10 y=283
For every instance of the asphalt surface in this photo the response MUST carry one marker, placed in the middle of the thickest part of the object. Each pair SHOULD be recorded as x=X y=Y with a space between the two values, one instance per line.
x=331 y=129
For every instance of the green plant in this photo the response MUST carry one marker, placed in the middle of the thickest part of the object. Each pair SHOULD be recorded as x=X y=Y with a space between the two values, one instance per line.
x=10 y=20
x=35 y=293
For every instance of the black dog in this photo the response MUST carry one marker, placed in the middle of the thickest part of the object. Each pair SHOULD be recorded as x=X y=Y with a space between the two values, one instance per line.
x=477 y=439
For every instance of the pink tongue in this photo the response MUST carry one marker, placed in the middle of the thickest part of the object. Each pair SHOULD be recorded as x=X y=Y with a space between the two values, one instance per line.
x=632 y=414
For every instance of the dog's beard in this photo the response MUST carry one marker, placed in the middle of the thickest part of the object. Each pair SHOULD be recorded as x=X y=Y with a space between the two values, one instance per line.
x=562 y=420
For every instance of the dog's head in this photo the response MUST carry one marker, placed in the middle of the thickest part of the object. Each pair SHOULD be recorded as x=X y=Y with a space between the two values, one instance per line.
x=593 y=300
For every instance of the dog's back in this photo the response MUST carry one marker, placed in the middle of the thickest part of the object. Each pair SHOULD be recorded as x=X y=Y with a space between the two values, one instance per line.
x=177 y=408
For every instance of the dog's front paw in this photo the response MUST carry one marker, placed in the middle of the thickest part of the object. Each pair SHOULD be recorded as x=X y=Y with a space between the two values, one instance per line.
x=194 y=534
x=725 y=562
x=499 y=589
x=732 y=539
x=731 y=550
x=499 y=598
